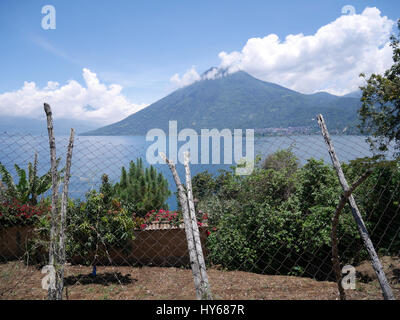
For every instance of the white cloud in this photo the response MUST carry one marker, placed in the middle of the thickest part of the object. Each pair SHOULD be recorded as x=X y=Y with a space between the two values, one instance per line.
x=188 y=78
x=329 y=60
x=95 y=101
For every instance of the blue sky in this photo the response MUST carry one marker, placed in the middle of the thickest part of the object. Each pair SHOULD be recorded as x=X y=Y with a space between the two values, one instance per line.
x=140 y=45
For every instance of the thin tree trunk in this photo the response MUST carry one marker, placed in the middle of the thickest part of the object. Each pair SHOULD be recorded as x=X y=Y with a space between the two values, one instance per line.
x=63 y=215
x=194 y=263
x=54 y=227
x=33 y=179
x=205 y=287
x=376 y=264
x=334 y=238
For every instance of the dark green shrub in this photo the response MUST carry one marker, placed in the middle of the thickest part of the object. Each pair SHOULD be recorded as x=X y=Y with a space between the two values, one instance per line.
x=279 y=218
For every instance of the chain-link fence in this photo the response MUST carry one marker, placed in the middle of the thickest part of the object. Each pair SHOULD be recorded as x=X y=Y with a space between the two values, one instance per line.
x=266 y=235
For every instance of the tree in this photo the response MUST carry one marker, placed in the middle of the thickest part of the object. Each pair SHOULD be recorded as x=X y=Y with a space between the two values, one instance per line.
x=282 y=159
x=380 y=110
x=142 y=189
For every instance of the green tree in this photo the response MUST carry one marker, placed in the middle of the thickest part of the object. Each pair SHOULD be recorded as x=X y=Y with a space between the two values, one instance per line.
x=380 y=110
x=142 y=189
x=282 y=159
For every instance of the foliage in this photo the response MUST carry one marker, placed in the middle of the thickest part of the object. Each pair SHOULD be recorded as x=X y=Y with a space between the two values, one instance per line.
x=98 y=224
x=203 y=185
x=29 y=187
x=15 y=213
x=380 y=111
x=379 y=198
x=102 y=221
x=282 y=159
x=142 y=189
x=279 y=217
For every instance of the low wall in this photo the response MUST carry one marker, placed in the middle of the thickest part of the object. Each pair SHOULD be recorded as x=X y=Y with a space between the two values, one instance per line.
x=13 y=242
x=155 y=246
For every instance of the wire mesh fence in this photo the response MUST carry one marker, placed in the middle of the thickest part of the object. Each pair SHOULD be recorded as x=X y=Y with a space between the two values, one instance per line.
x=266 y=235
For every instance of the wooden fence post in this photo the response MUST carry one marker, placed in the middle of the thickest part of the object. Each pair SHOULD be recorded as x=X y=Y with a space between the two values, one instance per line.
x=335 y=223
x=54 y=224
x=63 y=215
x=57 y=228
x=194 y=263
x=205 y=287
x=376 y=264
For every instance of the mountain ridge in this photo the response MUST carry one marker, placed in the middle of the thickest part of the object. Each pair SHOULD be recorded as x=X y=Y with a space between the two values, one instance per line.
x=25 y=125
x=236 y=101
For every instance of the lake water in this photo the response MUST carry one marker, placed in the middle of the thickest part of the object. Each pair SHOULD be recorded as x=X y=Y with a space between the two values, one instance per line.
x=93 y=156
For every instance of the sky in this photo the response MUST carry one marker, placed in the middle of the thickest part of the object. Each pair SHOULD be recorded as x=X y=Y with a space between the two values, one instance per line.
x=104 y=60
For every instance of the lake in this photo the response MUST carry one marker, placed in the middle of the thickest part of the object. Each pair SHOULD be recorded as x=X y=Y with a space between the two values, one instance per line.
x=93 y=156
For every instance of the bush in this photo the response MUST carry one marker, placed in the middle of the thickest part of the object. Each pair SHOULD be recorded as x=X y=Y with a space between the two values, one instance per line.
x=98 y=224
x=174 y=218
x=15 y=213
x=93 y=227
x=279 y=218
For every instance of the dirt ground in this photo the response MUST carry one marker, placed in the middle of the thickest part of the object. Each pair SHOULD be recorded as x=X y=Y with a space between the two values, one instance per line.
x=18 y=281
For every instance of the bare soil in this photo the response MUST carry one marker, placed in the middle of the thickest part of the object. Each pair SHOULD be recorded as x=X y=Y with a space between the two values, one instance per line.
x=18 y=281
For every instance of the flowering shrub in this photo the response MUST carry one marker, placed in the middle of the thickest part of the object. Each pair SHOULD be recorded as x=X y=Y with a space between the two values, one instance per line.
x=13 y=213
x=174 y=218
x=204 y=222
x=163 y=216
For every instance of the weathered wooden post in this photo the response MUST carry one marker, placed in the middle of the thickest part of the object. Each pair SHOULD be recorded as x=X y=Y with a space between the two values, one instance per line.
x=54 y=223
x=193 y=256
x=63 y=214
x=335 y=223
x=376 y=264
x=57 y=226
x=205 y=287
